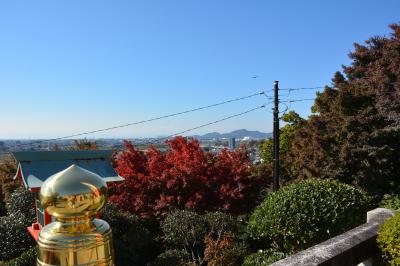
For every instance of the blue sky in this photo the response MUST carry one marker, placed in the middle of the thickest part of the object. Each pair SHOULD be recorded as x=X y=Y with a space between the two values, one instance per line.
x=72 y=66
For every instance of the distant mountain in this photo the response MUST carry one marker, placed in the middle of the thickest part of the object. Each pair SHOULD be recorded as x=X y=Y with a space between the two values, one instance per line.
x=239 y=134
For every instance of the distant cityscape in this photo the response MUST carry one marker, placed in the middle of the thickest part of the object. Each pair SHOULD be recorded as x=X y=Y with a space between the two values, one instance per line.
x=212 y=142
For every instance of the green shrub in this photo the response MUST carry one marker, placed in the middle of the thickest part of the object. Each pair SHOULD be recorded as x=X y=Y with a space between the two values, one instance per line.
x=132 y=242
x=389 y=240
x=172 y=257
x=211 y=237
x=263 y=258
x=306 y=213
x=219 y=223
x=184 y=229
x=21 y=202
x=3 y=210
x=391 y=202
x=14 y=236
x=27 y=258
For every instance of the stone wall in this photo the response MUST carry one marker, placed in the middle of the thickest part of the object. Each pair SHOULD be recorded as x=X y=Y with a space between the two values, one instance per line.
x=357 y=246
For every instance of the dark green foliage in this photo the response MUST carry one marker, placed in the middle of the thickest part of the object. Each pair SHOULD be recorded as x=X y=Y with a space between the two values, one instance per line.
x=186 y=230
x=27 y=258
x=3 y=210
x=391 y=202
x=388 y=240
x=354 y=134
x=21 y=202
x=132 y=242
x=263 y=258
x=219 y=223
x=14 y=236
x=172 y=257
x=306 y=213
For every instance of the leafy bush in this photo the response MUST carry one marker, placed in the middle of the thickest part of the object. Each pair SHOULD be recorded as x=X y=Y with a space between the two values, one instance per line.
x=210 y=237
x=219 y=223
x=185 y=229
x=389 y=240
x=391 y=202
x=263 y=258
x=131 y=240
x=27 y=258
x=14 y=236
x=172 y=257
x=305 y=213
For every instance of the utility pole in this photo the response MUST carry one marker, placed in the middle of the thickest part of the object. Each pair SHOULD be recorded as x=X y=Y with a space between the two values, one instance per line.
x=276 y=137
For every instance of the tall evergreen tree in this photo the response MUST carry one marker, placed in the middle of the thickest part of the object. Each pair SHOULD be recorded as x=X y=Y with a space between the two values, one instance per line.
x=354 y=134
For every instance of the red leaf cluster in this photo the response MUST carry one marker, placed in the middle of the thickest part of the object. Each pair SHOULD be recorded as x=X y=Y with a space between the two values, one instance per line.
x=185 y=176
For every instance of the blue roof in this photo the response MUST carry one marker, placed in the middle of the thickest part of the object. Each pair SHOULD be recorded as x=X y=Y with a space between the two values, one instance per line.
x=43 y=164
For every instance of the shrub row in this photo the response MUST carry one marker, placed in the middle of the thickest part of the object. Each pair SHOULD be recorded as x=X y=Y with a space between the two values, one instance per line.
x=294 y=218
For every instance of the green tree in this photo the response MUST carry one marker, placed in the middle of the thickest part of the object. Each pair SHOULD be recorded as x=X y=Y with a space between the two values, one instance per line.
x=354 y=133
x=293 y=123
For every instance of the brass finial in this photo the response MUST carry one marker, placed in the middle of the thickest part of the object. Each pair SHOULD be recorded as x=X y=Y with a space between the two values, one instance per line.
x=73 y=197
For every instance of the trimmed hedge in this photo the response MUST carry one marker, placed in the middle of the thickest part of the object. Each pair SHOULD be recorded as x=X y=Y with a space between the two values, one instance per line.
x=306 y=213
x=388 y=240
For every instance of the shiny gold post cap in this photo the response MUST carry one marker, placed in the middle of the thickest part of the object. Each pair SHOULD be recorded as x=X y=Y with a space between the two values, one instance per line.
x=74 y=192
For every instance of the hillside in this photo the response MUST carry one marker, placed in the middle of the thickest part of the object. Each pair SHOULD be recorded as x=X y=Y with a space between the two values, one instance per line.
x=239 y=134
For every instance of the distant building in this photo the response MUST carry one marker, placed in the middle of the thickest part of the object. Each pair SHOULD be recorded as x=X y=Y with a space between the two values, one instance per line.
x=232 y=143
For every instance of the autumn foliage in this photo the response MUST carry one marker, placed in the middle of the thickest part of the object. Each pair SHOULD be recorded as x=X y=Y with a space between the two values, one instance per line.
x=185 y=177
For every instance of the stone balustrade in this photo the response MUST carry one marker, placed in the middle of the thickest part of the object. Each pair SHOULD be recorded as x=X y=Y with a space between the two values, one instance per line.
x=354 y=247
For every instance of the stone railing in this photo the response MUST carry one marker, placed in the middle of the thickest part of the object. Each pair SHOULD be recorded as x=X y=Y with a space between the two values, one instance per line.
x=354 y=247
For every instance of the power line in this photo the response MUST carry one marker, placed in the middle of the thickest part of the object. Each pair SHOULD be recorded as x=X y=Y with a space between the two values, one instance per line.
x=145 y=121
x=204 y=125
x=298 y=89
x=297 y=100
x=215 y=122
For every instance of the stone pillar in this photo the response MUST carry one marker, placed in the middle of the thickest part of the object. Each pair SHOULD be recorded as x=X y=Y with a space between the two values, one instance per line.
x=73 y=197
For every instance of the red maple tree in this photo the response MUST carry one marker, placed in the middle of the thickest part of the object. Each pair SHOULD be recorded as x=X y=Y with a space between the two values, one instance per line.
x=185 y=176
